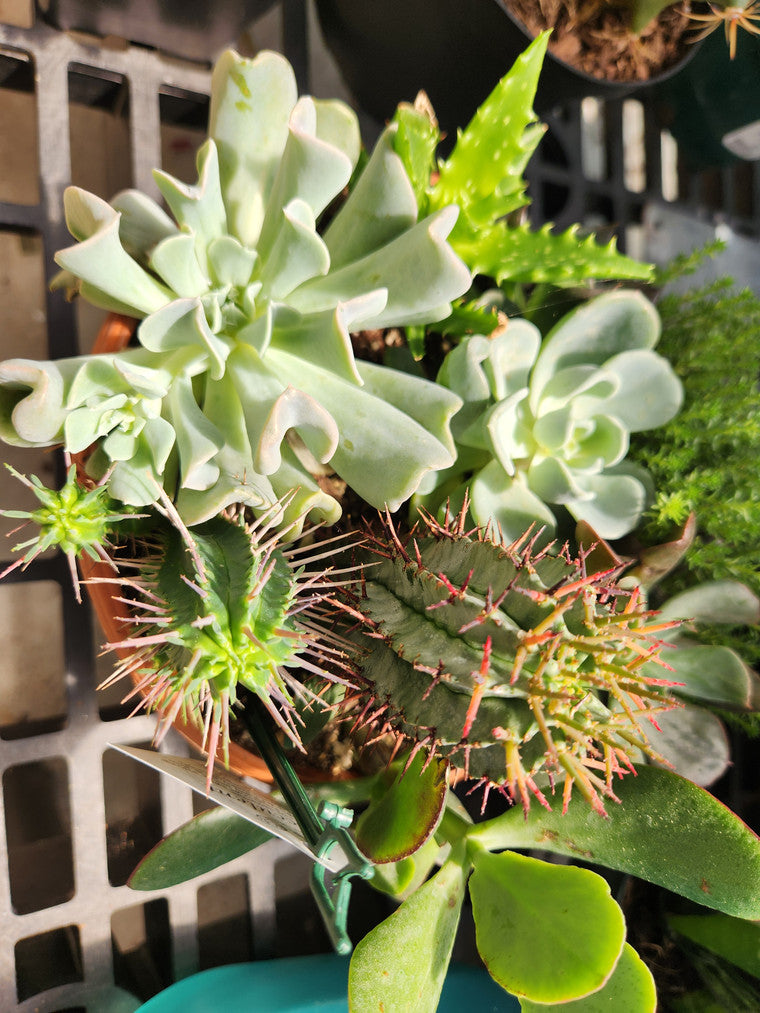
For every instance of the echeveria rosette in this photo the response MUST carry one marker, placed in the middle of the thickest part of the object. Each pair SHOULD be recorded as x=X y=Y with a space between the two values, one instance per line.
x=245 y=385
x=546 y=424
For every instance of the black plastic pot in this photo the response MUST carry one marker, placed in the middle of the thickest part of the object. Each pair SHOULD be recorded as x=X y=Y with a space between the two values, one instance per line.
x=456 y=50
x=194 y=29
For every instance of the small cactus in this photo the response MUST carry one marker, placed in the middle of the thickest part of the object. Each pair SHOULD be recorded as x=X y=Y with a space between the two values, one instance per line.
x=229 y=604
x=517 y=665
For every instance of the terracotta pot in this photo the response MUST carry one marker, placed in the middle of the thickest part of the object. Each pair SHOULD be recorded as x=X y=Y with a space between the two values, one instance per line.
x=113 y=336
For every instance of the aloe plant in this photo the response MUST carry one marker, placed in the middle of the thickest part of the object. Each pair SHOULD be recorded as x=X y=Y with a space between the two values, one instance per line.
x=546 y=424
x=244 y=385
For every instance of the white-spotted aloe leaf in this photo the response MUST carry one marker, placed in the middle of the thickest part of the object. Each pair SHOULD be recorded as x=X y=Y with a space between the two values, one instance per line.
x=400 y=966
x=630 y=989
x=209 y=840
x=551 y=933
x=665 y=830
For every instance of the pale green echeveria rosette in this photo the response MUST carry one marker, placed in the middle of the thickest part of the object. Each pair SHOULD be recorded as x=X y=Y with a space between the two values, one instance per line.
x=547 y=424
x=245 y=385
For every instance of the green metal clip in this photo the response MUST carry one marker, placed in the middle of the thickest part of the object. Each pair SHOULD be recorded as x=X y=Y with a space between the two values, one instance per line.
x=324 y=831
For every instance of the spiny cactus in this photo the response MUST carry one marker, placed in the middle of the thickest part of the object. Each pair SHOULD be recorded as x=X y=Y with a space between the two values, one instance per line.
x=515 y=664
x=229 y=604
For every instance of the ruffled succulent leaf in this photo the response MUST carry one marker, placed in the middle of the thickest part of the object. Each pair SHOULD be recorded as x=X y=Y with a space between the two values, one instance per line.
x=666 y=830
x=32 y=395
x=418 y=269
x=251 y=103
x=630 y=987
x=550 y=933
x=408 y=954
x=297 y=253
x=143 y=224
x=379 y=208
x=508 y=503
x=198 y=208
x=182 y=326
x=101 y=261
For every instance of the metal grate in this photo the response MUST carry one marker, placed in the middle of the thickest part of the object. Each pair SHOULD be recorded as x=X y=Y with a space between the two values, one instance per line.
x=76 y=817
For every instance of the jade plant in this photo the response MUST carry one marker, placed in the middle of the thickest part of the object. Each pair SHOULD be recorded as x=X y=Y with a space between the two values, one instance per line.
x=244 y=384
x=545 y=424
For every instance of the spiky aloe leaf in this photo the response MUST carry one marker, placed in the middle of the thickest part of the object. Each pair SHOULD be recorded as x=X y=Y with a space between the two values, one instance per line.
x=514 y=664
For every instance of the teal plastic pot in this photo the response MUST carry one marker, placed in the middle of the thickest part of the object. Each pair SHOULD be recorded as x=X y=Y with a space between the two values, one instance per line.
x=314 y=984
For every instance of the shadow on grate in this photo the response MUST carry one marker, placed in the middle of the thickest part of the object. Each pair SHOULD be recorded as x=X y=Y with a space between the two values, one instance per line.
x=48 y=960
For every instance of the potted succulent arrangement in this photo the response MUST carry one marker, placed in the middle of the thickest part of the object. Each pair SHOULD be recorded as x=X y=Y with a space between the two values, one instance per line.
x=478 y=627
x=597 y=48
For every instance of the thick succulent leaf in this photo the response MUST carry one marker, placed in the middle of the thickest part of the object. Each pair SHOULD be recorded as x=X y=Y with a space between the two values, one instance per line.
x=211 y=839
x=716 y=675
x=371 y=430
x=309 y=499
x=512 y=350
x=175 y=260
x=310 y=171
x=649 y=392
x=519 y=254
x=615 y=505
x=379 y=208
x=720 y=601
x=612 y=323
x=198 y=440
x=419 y=270
x=338 y=126
x=694 y=742
x=400 y=966
x=182 y=325
x=251 y=103
x=552 y=481
x=666 y=830
x=734 y=939
x=231 y=263
x=143 y=224
x=552 y=933
x=400 y=879
x=487 y=188
x=428 y=404
x=295 y=411
x=630 y=989
x=384 y=831
x=508 y=503
x=32 y=409
x=100 y=260
x=297 y=252
x=198 y=207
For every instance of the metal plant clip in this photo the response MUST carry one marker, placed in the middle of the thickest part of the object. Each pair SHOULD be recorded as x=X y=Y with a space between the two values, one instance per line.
x=326 y=831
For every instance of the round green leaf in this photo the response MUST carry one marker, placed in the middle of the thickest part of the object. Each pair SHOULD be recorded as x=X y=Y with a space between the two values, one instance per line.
x=405 y=816
x=665 y=830
x=548 y=932
x=209 y=840
x=629 y=990
x=400 y=966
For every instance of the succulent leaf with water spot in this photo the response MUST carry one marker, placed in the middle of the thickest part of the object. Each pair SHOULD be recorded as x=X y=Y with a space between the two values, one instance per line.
x=514 y=664
x=546 y=423
x=245 y=385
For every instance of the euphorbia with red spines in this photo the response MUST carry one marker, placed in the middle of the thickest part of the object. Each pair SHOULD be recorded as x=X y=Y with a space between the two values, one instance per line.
x=516 y=664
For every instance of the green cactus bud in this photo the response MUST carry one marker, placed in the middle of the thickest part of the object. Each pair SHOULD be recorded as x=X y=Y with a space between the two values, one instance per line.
x=516 y=664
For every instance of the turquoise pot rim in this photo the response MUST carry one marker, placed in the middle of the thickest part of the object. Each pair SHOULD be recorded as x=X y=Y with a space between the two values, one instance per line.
x=311 y=984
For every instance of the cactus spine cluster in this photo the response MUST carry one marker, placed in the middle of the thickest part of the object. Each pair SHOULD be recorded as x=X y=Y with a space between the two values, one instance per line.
x=517 y=665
